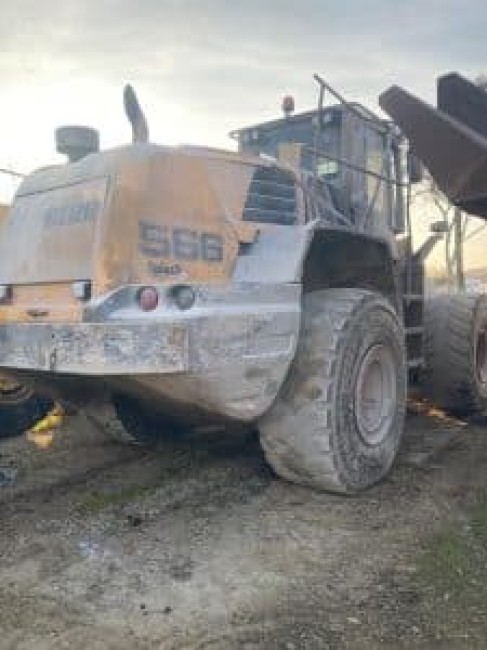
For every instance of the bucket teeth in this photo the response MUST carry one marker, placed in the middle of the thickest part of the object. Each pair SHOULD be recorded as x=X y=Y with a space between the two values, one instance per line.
x=464 y=101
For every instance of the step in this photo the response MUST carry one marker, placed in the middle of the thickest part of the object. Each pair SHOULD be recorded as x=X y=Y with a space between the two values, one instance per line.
x=411 y=331
x=411 y=297
x=415 y=363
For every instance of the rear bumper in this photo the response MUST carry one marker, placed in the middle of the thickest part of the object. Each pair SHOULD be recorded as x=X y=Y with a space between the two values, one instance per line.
x=228 y=355
x=95 y=348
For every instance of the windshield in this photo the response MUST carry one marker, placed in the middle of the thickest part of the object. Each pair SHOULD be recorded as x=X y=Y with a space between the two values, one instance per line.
x=321 y=136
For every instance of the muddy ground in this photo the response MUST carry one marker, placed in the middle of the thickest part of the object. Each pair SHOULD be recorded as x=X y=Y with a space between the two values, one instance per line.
x=200 y=546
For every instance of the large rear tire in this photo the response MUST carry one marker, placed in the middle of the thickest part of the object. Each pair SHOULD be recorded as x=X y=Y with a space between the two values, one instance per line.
x=338 y=421
x=455 y=348
x=20 y=408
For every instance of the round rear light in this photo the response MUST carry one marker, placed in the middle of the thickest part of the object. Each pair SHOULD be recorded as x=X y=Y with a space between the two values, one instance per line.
x=148 y=298
x=184 y=296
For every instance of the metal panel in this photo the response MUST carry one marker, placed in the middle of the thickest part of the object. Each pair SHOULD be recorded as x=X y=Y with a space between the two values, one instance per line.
x=228 y=355
x=48 y=236
x=95 y=348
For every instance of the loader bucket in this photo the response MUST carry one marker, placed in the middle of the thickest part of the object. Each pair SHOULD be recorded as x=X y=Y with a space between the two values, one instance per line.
x=464 y=101
x=452 y=143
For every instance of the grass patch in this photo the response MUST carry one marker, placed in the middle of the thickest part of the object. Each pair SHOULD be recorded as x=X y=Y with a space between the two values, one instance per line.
x=452 y=572
x=478 y=521
x=97 y=501
x=155 y=478
x=455 y=559
x=446 y=564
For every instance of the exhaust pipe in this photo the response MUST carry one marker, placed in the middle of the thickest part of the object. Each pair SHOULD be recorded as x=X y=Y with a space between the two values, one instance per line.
x=135 y=115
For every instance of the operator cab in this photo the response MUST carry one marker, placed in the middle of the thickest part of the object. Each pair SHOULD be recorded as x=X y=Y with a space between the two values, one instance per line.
x=266 y=138
x=354 y=156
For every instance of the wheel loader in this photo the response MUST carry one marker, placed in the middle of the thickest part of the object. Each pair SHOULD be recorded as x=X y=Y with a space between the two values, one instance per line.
x=20 y=408
x=279 y=286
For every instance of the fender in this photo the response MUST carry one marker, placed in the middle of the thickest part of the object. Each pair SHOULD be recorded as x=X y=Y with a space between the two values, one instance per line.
x=338 y=258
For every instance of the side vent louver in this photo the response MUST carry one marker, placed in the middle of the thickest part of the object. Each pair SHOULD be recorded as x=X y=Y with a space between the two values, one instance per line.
x=271 y=197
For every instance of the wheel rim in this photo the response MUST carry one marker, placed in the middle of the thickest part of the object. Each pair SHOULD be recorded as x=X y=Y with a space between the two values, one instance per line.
x=375 y=394
x=481 y=355
x=13 y=393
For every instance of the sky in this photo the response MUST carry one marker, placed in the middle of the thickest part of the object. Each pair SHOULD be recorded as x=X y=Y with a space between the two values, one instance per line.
x=202 y=68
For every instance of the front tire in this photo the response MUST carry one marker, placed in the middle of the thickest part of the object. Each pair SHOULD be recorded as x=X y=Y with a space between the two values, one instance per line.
x=455 y=348
x=338 y=421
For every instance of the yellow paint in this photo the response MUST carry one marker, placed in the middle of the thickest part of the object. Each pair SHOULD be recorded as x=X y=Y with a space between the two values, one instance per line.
x=42 y=433
x=194 y=190
x=41 y=439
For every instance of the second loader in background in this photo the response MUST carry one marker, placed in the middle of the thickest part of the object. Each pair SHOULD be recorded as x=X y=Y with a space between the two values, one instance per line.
x=20 y=408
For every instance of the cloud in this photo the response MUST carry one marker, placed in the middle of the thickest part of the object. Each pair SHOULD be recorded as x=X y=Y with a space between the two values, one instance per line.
x=203 y=67
x=171 y=39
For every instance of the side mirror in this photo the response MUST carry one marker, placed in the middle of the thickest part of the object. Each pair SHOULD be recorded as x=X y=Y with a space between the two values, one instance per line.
x=415 y=169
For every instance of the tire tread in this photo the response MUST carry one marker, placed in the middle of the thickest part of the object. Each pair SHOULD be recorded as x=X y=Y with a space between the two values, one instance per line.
x=449 y=379
x=283 y=432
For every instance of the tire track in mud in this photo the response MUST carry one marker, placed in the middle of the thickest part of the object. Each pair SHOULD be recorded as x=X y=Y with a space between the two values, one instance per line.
x=222 y=553
x=57 y=488
x=94 y=465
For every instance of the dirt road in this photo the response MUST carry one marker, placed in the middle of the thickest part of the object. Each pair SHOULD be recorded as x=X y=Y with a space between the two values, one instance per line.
x=200 y=546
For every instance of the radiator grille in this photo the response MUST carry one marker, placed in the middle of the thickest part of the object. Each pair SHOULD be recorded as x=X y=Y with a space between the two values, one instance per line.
x=271 y=197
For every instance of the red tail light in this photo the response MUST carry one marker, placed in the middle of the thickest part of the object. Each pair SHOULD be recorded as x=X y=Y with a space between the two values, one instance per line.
x=148 y=298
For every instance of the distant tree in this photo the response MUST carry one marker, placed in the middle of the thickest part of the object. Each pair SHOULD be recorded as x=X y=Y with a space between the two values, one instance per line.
x=452 y=222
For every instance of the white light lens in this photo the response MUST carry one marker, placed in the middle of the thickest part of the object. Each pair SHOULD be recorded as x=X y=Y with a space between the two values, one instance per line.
x=82 y=290
x=184 y=297
x=5 y=292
